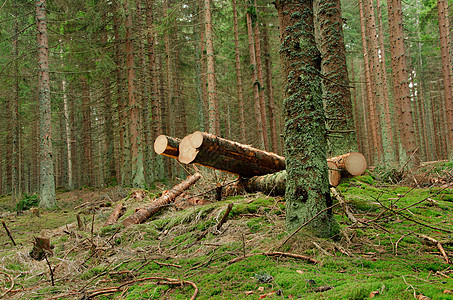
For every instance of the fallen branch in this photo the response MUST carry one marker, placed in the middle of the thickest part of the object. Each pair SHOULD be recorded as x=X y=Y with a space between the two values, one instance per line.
x=438 y=244
x=336 y=194
x=115 y=215
x=8 y=233
x=161 y=281
x=225 y=216
x=145 y=213
x=167 y=265
x=12 y=284
x=286 y=254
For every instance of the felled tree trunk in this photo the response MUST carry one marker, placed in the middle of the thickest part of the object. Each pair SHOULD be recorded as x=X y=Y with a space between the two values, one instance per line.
x=212 y=151
x=144 y=213
x=167 y=146
x=115 y=215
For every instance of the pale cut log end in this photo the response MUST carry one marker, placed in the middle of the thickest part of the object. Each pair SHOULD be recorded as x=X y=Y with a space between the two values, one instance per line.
x=334 y=174
x=160 y=144
x=196 y=139
x=187 y=153
x=355 y=163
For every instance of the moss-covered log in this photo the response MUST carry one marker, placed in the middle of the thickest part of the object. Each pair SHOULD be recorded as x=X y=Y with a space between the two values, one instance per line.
x=222 y=154
x=145 y=213
x=167 y=146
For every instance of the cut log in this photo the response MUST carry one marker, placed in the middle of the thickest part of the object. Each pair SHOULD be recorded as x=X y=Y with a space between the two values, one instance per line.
x=212 y=151
x=166 y=145
x=144 y=213
x=115 y=215
x=354 y=163
x=334 y=173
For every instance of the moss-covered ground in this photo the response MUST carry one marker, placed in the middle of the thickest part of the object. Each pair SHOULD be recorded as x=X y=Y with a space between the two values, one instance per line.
x=384 y=256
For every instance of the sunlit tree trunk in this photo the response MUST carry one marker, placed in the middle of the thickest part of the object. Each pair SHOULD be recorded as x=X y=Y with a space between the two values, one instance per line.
x=340 y=122
x=137 y=175
x=47 y=179
x=259 y=124
x=307 y=188
x=376 y=145
x=15 y=122
x=401 y=79
x=239 y=87
x=270 y=91
x=213 y=111
x=444 y=36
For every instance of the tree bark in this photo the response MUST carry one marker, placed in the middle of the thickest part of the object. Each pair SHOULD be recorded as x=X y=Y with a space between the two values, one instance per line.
x=209 y=150
x=213 y=111
x=115 y=215
x=335 y=78
x=137 y=176
x=47 y=179
x=307 y=188
x=400 y=77
x=145 y=213
x=444 y=36
x=239 y=86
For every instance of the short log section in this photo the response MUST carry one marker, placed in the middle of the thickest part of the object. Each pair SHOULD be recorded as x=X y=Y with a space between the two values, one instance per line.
x=167 y=146
x=353 y=163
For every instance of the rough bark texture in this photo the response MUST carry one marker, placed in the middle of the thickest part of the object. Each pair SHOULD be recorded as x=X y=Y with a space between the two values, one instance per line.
x=376 y=145
x=214 y=123
x=212 y=151
x=47 y=178
x=239 y=76
x=119 y=210
x=138 y=175
x=307 y=188
x=145 y=213
x=400 y=77
x=335 y=79
x=444 y=35
x=256 y=91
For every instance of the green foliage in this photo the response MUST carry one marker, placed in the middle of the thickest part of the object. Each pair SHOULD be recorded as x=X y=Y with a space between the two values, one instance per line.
x=27 y=202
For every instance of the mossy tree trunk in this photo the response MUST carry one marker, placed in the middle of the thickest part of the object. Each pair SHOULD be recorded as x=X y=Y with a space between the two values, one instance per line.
x=336 y=94
x=307 y=189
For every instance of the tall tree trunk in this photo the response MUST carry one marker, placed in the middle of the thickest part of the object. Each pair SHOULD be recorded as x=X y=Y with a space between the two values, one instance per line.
x=444 y=36
x=15 y=122
x=137 y=175
x=213 y=111
x=270 y=91
x=340 y=122
x=259 y=69
x=374 y=120
x=307 y=188
x=47 y=178
x=88 y=175
x=199 y=76
x=400 y=78
x=259 y=124
x=376 y=74
x=239 y=86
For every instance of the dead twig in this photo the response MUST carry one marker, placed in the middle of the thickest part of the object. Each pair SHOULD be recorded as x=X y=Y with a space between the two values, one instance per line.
x=438 y=244
x=168 y=265
x=225 y=216
x=160 y=281
x=12 y=284
x=336 y=194
x=286 y=254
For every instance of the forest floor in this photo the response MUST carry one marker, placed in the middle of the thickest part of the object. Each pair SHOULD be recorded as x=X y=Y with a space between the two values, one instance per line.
x=180 y=253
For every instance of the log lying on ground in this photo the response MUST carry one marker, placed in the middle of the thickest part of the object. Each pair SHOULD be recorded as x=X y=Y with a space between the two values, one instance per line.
x=144 y=213
x=212 y=151
x=166 y=145
x=353 y=163
x=115 y=215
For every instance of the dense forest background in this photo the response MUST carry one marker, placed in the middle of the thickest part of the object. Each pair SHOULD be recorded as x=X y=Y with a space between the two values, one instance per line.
x=123 y=72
